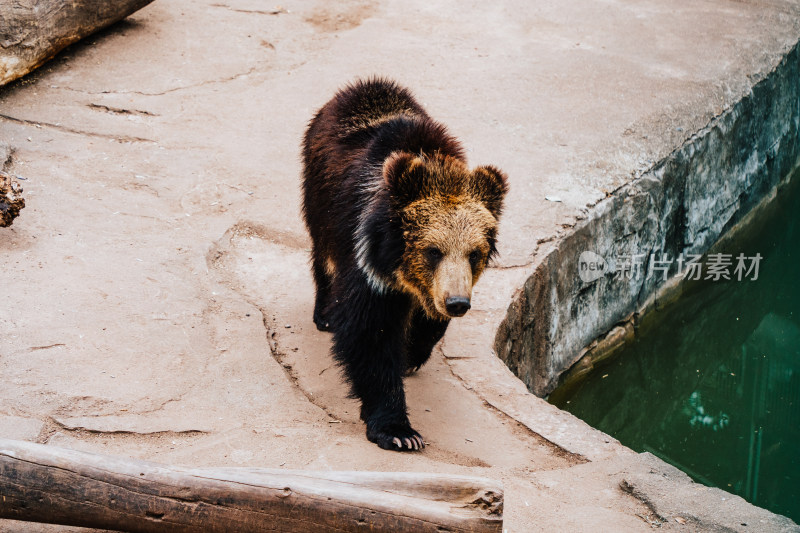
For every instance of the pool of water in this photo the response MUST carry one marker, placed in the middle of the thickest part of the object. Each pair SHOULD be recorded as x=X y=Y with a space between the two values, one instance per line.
x=711 y=384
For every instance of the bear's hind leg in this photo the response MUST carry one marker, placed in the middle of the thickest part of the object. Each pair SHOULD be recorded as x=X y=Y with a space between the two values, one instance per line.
x=422 y=335
x=323 y=278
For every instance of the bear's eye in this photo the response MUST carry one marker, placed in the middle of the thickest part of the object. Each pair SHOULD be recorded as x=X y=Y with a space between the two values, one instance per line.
x=433 y=254
x=474 y=257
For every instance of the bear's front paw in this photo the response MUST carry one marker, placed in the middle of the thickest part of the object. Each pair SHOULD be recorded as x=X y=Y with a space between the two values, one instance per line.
x=400 y=438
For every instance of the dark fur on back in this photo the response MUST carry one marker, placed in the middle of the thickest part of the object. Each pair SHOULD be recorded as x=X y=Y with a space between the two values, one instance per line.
x=360 y=241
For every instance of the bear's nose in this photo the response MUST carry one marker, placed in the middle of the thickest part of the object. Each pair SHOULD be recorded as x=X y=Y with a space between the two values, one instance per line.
x=457 y=305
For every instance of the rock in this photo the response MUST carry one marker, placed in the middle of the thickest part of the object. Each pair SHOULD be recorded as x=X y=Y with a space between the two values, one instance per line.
x=11 y=200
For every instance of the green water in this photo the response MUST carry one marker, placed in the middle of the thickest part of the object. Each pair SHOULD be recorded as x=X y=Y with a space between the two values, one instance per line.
x=712 y=383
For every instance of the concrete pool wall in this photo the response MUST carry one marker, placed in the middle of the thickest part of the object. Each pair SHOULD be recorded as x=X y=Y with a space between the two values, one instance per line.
x=682 y=205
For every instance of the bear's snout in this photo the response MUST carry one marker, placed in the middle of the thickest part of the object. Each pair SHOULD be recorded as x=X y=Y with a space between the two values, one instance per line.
x=452 y=287
x=457 y=305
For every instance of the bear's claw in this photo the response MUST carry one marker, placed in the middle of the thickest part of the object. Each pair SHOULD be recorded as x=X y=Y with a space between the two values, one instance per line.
x=409 y=440
x=411 y=370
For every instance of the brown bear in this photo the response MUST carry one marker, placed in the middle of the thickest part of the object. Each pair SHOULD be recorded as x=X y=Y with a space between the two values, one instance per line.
x=401 y=230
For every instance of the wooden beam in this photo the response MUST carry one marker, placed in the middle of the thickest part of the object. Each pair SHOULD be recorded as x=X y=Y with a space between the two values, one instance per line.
x=41 y=483
x=33 y=31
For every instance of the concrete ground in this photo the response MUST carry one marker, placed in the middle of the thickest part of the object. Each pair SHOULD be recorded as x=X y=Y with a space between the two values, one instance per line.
x=157 y=292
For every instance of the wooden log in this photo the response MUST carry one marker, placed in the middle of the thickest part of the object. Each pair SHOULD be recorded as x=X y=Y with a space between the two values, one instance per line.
x=33 y=31
x=52 y=485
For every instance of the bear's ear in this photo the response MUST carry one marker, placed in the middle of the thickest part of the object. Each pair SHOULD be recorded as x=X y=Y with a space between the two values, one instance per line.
x=490 y=186
x=403 y=174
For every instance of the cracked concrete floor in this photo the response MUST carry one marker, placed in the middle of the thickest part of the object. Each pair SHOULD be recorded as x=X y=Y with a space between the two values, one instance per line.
x=157 y=295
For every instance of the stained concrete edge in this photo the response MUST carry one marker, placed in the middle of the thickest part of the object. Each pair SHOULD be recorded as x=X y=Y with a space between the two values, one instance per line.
x=675 y=498
x=683 y=205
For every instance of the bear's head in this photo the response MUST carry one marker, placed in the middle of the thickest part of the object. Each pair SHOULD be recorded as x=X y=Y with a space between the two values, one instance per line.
x=449 y=217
